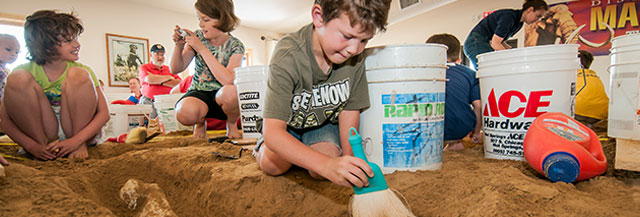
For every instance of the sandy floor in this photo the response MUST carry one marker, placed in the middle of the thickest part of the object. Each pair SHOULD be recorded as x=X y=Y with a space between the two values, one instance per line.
x=197 y=183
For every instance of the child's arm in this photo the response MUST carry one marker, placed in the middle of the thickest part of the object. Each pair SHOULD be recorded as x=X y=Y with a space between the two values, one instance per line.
x=345 y=170
x=91 y=130
x=346 y=120
x=30 y=145
x=224 y=75
x=476 y=135
x=497 y=43
x=181 y=57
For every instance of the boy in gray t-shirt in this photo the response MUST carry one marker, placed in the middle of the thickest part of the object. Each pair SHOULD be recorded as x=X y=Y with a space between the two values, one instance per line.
x=316 y=89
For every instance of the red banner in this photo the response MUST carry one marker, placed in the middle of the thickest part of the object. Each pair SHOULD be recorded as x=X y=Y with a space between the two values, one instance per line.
x=590 y=23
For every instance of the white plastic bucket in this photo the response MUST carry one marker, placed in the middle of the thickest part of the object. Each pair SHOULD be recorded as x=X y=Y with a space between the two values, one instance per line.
x=251 y=83
x=624 y=103
x=518 y=85
x=124 y=118
x=165 y=106
x=404 y=127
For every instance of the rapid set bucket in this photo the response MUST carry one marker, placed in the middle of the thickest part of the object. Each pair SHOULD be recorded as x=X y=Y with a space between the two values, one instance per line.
x=404 y=127
x=624 y=103
x=251 y=83
x=518 y=85
x=165 y=106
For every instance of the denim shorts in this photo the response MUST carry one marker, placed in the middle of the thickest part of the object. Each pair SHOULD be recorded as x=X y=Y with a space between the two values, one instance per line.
x=325 y=133
x=474 y=45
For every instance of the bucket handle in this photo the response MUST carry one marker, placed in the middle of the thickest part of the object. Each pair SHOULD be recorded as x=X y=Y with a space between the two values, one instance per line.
x=621 y=64
x=444 y=66
x=145 y=115
x=385 y=81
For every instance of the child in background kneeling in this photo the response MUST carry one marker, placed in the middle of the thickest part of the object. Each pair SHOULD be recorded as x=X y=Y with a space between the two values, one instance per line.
x=462 y=90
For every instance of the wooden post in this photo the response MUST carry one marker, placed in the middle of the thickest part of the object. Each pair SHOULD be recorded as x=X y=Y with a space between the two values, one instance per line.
x=627 y=154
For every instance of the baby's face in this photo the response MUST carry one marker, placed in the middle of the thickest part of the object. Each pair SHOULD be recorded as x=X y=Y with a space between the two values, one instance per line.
x=9 y=50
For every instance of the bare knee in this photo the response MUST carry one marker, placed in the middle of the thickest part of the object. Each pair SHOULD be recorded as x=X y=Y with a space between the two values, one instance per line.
x=326 y=148
x=270 y=163
x=228 y=97
x=19 y=80
x=187 y=116
x=78 y=76
x=189 y=113
x=271 y=170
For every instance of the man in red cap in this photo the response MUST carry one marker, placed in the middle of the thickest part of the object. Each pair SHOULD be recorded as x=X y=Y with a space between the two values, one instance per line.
x=155 y=77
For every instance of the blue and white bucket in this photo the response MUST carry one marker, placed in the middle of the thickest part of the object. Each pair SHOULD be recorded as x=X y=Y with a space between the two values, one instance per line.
x=404 y=127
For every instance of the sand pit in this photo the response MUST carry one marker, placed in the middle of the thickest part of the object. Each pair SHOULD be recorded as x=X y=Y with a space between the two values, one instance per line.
x=197 y=183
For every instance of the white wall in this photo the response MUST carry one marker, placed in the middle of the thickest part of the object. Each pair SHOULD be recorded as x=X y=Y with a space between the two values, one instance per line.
x=111 y=16
x=458 y=18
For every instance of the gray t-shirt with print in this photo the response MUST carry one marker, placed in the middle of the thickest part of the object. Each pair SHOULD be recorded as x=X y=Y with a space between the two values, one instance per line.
x=299 y=93
x=203 y=79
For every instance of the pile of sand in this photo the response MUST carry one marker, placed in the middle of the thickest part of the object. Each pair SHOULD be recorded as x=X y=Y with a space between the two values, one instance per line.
x=196 y=182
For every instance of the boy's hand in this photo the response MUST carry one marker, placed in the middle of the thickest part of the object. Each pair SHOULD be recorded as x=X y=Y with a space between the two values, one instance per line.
x=62 y=148
x=476 y=136
x=177 y=36
x=347 y=171
x=40 y=152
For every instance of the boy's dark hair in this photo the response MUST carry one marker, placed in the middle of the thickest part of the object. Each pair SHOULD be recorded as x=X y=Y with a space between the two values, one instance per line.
x=453 y=52
x=586 y=58
x=536 y=4
x=46 y=29
x=221 y=10
x=370 y=14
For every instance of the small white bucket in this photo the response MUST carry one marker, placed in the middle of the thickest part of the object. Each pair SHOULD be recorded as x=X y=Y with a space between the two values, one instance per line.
x=518 y=85
x=624 y=101
x=404 y=127
x=251 y=83
x=124 y=118
x=165 y=106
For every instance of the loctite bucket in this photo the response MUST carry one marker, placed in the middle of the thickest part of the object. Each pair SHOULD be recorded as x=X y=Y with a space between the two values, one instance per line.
x=563 y=149
x=251 y=83
x=624 y=103
x=404 y=127
x=518 y=85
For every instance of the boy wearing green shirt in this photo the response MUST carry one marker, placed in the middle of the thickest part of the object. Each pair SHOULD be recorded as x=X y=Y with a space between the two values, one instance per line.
x=316 y=89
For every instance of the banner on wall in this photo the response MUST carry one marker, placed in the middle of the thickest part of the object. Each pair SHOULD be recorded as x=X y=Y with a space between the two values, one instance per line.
x=590 y=23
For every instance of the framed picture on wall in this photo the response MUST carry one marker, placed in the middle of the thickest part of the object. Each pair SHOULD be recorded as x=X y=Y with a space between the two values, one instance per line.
x=124 y=55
